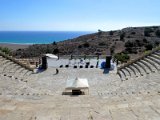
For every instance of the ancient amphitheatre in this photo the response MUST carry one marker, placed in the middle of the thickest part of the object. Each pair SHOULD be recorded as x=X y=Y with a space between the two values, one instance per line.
x=129 y=92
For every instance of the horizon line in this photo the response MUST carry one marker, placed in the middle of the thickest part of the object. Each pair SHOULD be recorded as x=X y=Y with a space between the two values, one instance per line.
x=78 y=30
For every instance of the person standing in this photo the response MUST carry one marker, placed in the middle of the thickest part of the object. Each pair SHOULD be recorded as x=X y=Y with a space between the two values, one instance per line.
x=97 y=64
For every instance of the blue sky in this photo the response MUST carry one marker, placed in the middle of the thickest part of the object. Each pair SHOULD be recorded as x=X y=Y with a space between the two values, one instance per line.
x=77 y=15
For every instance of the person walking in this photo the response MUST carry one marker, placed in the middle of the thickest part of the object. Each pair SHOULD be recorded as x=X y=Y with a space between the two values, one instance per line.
x=57 y=71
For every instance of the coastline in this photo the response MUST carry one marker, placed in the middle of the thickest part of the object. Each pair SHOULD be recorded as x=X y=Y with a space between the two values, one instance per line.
x=14 y=46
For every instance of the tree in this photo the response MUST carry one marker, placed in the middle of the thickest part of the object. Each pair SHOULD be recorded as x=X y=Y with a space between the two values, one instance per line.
x=56 y=51
x=158 y=33
x=111 y=33
x=54 y=43
x=99 y=32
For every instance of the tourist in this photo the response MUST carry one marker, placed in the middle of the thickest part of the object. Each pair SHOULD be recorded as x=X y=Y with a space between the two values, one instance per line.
x=57 y=71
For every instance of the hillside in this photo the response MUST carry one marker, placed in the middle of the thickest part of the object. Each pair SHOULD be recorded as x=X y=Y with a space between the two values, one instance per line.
x=132 y=40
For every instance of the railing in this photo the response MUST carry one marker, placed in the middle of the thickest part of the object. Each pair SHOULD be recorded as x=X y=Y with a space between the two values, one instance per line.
x=139 y=58
x=15 y=61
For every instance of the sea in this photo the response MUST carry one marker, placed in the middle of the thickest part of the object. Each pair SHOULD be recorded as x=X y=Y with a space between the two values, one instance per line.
x=38 y=37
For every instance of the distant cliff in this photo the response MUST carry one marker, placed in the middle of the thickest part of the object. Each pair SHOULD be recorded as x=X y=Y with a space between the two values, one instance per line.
x=132 y=40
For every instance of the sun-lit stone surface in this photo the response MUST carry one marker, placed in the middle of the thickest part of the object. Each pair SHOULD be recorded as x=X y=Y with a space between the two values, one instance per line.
x=39 y=96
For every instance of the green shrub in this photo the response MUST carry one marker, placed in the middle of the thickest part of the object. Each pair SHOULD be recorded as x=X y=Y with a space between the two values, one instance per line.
x=146 y=52
x=122 y=57
x=5 y=50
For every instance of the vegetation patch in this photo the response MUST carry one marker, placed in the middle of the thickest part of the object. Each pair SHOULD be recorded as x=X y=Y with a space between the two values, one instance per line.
x=122 y=57
x=158 y=33
x=147 y=31
x=5 y=50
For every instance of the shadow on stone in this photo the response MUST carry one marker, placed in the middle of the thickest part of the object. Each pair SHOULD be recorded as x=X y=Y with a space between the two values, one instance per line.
x=106 y=71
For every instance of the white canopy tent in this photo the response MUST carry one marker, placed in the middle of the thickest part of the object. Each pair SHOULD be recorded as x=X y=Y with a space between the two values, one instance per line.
x=77 y=84
x=51 y=56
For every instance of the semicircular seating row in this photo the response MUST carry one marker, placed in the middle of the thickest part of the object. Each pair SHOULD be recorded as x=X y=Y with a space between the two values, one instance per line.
x=12 y=70
x=145 y=66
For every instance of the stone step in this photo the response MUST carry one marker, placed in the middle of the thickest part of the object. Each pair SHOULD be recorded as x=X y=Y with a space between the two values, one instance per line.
x=128 y=73
x=22 y=75
x=152 y=66
x=153 y=59
x=156 y=56
x=29 y=73
x=134 y=70
x=152 y=63
x=138 y=69
x=125 y=73
x=9 y=67
x=131 y=72
x=4 y=62
x=157 y=53
x=2 y=58
x=121 y=75
x=12 y=71
x=143 y=66
x=17 y=67
x=18 y=72
x=148 y=65
x=8 y=64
